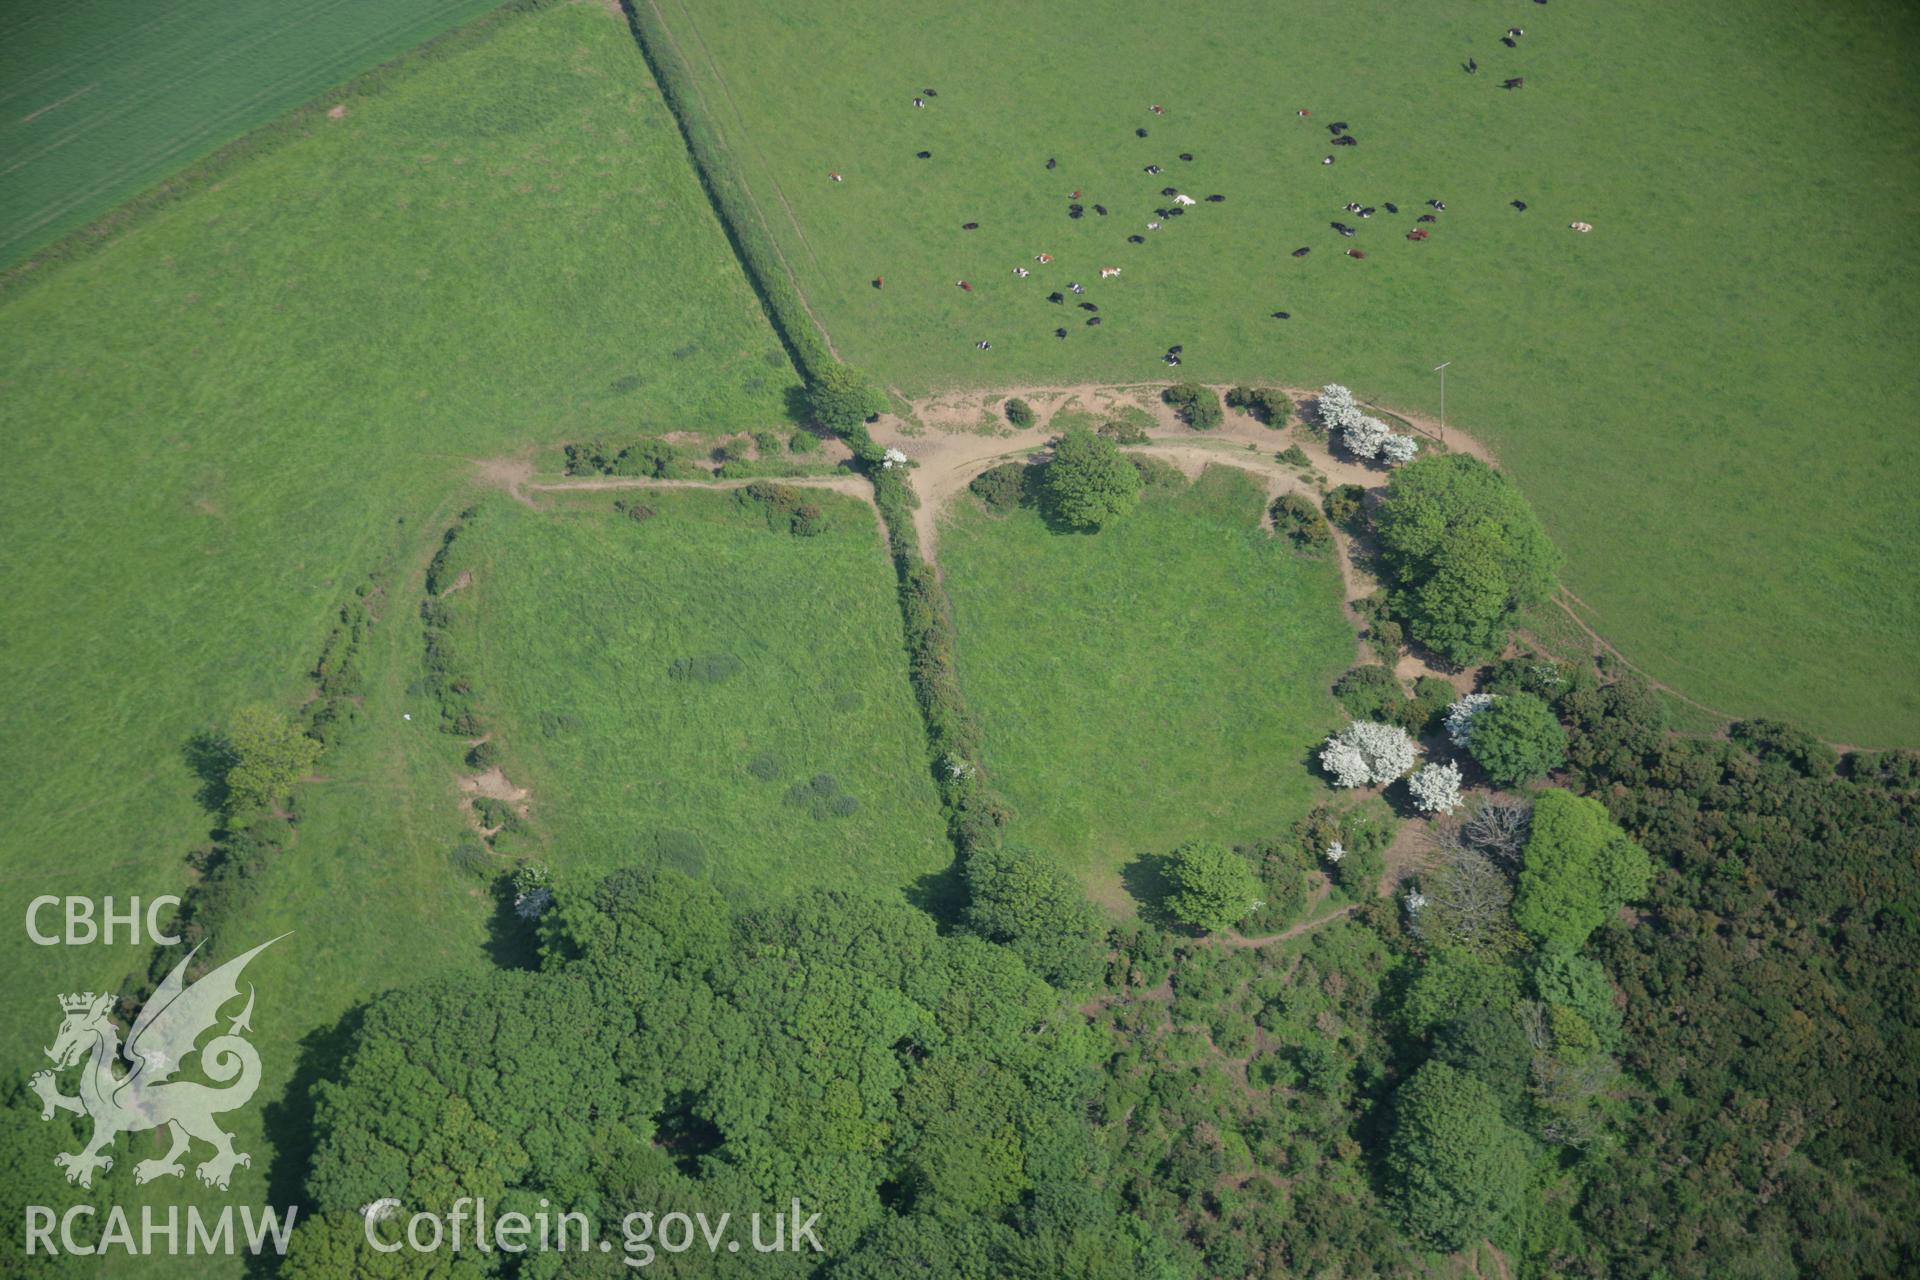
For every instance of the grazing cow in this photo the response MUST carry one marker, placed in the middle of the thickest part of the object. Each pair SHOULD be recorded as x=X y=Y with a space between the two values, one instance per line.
x=1426 y=217
x=1582 y=227
x=1056 y=297
x=918 y=103
x=1351 y=206
x=1302 y=251
x=1075 y=211
x=1186 y=155
x=1346 y=140
x=1515 y=83
x=1043 y=257
x=1157 y=109
x=1139 y=133
x=923 y=155
x=1108 y=273
x=1516 y=32
x=1216 y=199
x=969 y=226
x=930 y=93
x=1367 y=212
x=1059 y=333
x=1160 y=213
x=1171 y=360
x=1136 y=239
x=1100 y=209
x=1342 y=228
x=1175 y=349
x=1283 y=315
x=835 y=175
x=1051 y=162
x=1092 y=320
x=1169 y=191
x=1437 y=204
x=1153 y=168
x=1508 y=41
x=1075 y=286
x=879 y=282
x=1521 y=205
x=964 y=286
x=1021 y=272
x=1418 y=233
x=1073 y=195
x=1089 y=306
x=1355 y=253
x=1153 y=226
x=1390 y=206
x=1473 y=67
x=1338 y=127
x=1326 y=160
x=1184 y=200
x=983 y=346
x=1303 y=112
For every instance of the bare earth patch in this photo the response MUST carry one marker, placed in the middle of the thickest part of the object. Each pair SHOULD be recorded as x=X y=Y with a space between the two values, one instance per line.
x=337 y=113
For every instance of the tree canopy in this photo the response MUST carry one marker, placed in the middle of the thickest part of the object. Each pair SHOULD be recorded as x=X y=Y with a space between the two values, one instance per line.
x=1463 y=553
x=1034 y=905
x=1578 y=869
x=1456 y=1166
x=1517 y=739
x=1088 y=483
x=1213 y=887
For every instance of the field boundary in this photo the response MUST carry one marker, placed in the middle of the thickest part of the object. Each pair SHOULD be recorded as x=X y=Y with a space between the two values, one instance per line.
x=262 y=140
x=759 y=255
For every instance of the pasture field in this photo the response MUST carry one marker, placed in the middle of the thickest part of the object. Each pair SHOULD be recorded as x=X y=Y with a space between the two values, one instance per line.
x=1164 y=680
x=1747 y=167
x=101 y=98
x=700 y=690
x=228 y=414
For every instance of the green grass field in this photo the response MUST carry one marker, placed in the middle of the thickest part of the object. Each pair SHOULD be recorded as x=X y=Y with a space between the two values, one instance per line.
x=101 y=98
x=1648 y=383
x=578 y=615
x=1162 y=681
x=251 y=397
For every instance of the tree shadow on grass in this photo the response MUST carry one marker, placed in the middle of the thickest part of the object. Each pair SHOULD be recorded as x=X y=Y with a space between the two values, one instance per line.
x=290 y=1120
x=941 y=894
x=209 y=756
x=1147 y=882
x=512 y=943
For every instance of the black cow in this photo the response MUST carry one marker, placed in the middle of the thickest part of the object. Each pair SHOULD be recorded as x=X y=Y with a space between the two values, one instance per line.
x=924 y=155
x=1056 y=297
x=1283 y=315
x=1346 y=140
x=1216 y=199
x=1136 y=239
x=969 y=226
x=1302 y=251
x=1186 y=155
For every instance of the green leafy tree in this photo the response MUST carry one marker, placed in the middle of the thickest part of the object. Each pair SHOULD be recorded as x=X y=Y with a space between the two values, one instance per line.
x=1035 y=906
x=1455 y=1166
x=1577 y=870
x=1517 y=739
x=268 y=753
x=1213 y=887
x=1088 y=482
x=1463 y=552
x=1197 y=405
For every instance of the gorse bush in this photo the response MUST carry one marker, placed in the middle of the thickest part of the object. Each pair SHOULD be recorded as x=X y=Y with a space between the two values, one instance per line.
x=1020 y=413
x=1295 y=516
x=1264 y=404
x=1002 y=488
x=1197 y=405
x=1344 y=503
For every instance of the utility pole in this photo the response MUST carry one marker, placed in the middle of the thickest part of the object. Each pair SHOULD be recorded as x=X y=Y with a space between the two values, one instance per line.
x=1441 y=369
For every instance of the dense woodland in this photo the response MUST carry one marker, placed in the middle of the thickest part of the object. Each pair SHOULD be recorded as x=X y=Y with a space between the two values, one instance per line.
x=1649 y=1006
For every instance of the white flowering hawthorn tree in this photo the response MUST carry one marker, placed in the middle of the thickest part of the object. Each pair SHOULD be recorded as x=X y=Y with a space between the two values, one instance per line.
x=1367 y=753
x=1399 y=449
x=1459 y=718
x=1436 y=788
x=894 y=458
x=1363 y=436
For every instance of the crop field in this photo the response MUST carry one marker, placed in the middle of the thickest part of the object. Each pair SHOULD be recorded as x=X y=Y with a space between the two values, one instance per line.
x=1163 y=681
x=101 y=98
x=700 y=691
x=256 y=395
x=1645 y=382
